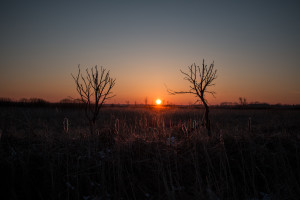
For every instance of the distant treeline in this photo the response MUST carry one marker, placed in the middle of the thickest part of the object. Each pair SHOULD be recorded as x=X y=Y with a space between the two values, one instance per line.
x=70 y=103
x=258 y=106
x=38 y=102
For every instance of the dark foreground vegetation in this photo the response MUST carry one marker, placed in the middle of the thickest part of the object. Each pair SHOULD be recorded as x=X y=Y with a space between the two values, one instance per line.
x=149 y=153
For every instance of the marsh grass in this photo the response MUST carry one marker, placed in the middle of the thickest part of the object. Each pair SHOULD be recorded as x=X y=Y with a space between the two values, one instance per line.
x=139 y=153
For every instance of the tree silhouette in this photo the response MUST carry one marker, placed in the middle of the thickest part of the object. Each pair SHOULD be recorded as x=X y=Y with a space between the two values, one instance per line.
x=200 y=79
x=243 y=101
x=94 y=89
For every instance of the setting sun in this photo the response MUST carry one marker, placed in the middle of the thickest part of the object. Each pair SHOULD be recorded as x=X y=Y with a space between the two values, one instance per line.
x=158 y=101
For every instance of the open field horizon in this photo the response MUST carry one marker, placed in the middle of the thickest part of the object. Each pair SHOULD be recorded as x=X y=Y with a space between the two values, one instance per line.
x=160 y=99
x=71 y=101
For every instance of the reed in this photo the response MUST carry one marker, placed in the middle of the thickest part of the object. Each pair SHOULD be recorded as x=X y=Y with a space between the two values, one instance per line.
x=150 y=154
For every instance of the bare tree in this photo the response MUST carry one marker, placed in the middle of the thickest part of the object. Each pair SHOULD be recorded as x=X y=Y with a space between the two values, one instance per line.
x=94 y=89
x=200 y=79
x=243 y=101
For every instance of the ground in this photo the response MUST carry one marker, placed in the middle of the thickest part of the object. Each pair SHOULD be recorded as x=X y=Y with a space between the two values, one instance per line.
x=149 y=153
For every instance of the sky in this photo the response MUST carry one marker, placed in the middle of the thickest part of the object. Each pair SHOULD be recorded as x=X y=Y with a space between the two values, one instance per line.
x=255 y=46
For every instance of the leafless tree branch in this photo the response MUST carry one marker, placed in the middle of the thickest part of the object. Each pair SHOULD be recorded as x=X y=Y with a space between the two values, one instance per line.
x=94 y=89
x=200 y=78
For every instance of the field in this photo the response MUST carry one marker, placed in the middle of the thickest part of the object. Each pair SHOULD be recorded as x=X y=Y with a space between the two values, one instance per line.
x=149 y=153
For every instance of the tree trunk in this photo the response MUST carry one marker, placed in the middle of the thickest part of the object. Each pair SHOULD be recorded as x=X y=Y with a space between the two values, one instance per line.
x=207 y=121
x=206 y=118
x=92 y=127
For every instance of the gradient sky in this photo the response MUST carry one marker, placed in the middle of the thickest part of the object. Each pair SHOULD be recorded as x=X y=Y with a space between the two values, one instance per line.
x=255 y=46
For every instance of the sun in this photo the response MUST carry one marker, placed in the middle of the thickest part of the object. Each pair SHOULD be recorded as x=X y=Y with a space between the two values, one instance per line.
x=158 y=101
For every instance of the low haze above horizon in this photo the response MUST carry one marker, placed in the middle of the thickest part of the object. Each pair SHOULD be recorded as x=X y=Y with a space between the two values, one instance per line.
x=255 y=46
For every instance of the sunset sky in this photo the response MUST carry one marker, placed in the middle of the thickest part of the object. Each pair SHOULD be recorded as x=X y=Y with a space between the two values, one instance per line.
x=255 y=46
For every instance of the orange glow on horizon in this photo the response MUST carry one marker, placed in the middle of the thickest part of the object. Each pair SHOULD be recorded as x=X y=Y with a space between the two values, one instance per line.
x=158 y=101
